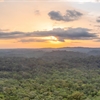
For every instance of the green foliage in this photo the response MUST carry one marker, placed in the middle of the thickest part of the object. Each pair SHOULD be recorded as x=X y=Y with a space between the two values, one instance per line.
x=50 y=79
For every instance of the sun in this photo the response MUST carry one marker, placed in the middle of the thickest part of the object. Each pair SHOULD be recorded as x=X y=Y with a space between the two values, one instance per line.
x=52 y=39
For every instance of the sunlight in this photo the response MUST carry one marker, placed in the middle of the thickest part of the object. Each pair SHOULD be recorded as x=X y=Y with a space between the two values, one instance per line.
x=50 y=38
x=68 y=41
x=55 y=42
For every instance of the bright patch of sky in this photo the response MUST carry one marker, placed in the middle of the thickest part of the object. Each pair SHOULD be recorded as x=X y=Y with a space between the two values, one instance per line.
x=83 y=0
x=90 y=7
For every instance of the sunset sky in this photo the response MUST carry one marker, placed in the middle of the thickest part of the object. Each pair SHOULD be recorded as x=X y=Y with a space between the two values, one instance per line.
x=49 y=23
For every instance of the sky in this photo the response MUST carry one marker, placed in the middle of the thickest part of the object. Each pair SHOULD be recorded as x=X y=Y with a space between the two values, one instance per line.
x=49 y=23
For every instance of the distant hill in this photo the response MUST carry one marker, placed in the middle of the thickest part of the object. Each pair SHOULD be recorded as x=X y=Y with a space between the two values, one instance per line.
x=71 y=52
x=21 y=53
x=62 y=54
x=75 y=49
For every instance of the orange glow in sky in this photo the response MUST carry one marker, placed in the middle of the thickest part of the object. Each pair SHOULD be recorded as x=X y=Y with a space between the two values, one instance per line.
x=49 y=24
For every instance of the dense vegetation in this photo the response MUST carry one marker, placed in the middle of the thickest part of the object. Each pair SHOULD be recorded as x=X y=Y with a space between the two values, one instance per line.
x=50 y=78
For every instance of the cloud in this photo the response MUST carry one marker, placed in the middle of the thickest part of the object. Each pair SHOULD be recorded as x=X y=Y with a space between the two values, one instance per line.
x=60 y=34
x=75 y=34
x=32 y=40
x=56 y=15
x=71 y=33
x=11 y=35
x=70 y=15
x=98 y=20
x=37 y=12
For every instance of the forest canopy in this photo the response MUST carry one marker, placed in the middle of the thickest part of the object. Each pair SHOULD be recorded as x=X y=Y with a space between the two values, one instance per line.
x=54 y=76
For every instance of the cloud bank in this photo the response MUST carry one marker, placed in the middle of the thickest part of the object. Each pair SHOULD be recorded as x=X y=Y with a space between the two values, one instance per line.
x=60 y=34
x=32 y=40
